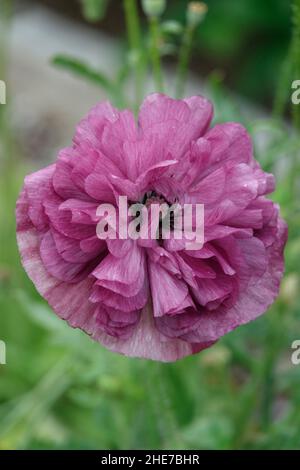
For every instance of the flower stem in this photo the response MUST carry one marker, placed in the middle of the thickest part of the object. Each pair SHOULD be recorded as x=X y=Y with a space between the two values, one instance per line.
x=155 y=54
x=282 y=94
x=4 y=27
x=296 y=56
x=184 y=59
x=5 y=21
x=135 y=41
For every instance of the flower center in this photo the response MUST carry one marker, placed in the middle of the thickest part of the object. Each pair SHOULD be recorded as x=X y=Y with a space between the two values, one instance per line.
x=150 y=198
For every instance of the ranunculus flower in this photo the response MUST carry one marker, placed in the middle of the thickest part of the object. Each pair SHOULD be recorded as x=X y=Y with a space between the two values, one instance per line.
x=155 y=300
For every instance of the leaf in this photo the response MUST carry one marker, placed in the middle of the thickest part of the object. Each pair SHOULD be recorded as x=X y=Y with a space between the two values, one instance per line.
x=209 y=432
x=83 y=70
x=39 y=313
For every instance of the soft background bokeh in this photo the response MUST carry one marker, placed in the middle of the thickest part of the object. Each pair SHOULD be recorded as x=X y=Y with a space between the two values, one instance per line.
x=59 y=390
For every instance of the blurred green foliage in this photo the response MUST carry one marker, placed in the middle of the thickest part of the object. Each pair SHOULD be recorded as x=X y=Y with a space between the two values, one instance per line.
x=60 y=390
x=94 y=10
x=248 y=39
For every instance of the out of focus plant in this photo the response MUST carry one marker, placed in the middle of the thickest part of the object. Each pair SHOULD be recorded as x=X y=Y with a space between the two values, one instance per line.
x=295 y=51
x=145 y=49
x=290 y=70
x=94 y=10
x=195 y=14
x=248 y=39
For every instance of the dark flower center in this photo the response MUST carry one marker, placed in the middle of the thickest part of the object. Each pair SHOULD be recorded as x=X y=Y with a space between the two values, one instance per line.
x=151 y=197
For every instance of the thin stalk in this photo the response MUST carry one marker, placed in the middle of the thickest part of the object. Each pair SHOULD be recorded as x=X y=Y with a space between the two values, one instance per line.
x=155 y=54
x=290 y=71
x=135 y=41
x=5 y=17
x=162 y=406
x=296 y=56
x=283 y=88
x=184 y=59
x=6 y=149
x=4 y=26
x=268 y=375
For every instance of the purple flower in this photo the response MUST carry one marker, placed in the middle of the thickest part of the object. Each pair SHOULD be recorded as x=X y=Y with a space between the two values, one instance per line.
x=154 y=299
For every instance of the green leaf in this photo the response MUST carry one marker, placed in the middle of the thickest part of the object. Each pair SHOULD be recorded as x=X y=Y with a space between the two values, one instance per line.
x=39 y=313
x=209 y=432
x=83 y=70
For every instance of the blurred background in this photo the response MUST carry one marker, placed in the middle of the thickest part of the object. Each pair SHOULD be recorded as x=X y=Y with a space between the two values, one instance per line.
x=59 y=390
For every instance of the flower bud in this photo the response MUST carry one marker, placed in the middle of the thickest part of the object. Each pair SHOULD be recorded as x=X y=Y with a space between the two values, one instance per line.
x=196 y=12
x=172 y=27
x=154 y=7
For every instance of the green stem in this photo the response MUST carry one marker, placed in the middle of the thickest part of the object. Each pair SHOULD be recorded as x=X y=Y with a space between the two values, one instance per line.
x=283 y=92
x=162 y=406
x=135 y=41
x=268 y=375
x=155 y=54
x=5 y=132
x=4 y=25
x=184 y=59
x=296 y=56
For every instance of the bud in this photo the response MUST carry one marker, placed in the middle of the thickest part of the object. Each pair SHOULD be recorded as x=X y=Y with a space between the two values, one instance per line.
x=154 y=7
x=172 y=27
x=196 y=12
